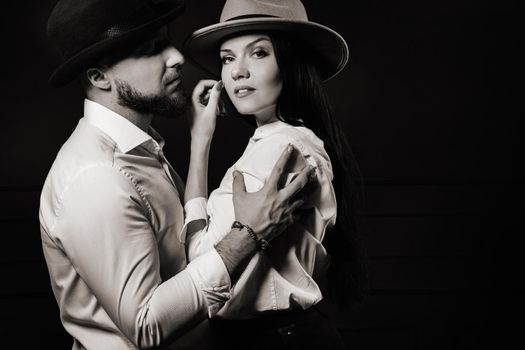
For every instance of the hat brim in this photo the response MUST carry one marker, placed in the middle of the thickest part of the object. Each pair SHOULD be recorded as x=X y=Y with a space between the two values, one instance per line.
x=72 y=67
x=202 y=47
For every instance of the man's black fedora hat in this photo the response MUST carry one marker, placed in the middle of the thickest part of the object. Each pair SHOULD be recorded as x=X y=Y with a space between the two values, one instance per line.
x=84 y=31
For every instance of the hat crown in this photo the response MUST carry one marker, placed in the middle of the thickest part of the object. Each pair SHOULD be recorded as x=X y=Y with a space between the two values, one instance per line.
x=287 y=9
x=75 y=24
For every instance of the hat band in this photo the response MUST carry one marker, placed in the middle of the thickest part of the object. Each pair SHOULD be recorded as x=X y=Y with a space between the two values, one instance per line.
x=249 y=16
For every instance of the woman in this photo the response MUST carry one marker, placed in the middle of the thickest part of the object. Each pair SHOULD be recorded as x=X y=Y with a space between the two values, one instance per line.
x=272 y=62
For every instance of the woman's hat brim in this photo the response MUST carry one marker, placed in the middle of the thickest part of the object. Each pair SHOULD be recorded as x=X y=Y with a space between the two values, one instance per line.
x=73 y=66
x=202 y=47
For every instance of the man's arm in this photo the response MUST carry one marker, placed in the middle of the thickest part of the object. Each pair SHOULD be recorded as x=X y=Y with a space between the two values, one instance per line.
x=103 y=227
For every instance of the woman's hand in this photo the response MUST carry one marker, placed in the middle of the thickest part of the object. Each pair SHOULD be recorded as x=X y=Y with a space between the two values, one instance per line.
x=205 y=99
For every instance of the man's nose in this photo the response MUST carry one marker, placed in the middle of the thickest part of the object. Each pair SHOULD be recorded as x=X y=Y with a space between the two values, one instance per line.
x=173 y=57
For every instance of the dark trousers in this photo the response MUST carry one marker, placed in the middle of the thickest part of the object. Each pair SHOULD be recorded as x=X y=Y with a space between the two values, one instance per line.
x=301 y=330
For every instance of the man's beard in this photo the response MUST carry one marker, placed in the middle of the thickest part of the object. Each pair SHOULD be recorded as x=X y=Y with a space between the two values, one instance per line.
x=161 y=105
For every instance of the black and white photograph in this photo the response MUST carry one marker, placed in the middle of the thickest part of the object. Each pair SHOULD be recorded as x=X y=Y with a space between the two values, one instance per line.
x=261 y=174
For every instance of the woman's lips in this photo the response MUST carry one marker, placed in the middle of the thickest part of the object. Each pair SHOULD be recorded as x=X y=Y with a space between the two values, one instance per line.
x=243 y=91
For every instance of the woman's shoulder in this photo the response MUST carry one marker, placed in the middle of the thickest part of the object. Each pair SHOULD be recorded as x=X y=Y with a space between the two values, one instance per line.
x=268 y=144
x=304 y=139
x=295 y=134
x=309 y=145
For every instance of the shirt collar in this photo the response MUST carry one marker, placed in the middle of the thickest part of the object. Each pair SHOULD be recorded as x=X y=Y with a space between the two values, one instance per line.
x=268 y=129
x=125 y=134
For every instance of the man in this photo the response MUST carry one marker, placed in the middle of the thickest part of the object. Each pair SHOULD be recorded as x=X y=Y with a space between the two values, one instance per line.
x=110 y=212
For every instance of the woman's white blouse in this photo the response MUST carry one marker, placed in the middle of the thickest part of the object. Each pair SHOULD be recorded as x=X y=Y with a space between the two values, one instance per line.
x=283 y=276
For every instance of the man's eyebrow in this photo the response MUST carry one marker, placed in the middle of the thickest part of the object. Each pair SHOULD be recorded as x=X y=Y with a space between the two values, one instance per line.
x=249 y=45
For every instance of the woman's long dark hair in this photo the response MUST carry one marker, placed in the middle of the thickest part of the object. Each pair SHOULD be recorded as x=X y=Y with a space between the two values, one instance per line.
x=304 y=102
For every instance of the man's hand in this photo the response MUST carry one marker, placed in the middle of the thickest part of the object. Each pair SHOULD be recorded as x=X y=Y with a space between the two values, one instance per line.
x=270 y=210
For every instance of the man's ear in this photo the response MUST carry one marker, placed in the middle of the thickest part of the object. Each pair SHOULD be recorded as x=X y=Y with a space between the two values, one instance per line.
x=98 y=78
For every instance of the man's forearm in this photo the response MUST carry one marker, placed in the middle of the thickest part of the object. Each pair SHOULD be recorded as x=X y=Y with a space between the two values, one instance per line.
x=236 y=249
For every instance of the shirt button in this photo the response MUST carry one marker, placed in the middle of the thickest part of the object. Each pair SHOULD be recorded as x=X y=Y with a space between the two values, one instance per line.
x=287 y=331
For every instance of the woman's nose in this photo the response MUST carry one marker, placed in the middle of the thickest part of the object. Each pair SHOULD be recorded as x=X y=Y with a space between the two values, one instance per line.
x=240 y=71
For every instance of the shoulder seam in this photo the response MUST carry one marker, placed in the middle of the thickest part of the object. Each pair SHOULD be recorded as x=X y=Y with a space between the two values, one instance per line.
x=128 y=176
x=139 y=190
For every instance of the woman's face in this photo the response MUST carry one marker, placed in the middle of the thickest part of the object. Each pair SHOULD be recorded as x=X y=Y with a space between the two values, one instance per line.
x=251 y=75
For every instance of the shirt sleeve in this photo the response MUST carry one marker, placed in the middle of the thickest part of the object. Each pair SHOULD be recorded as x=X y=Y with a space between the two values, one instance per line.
x=194 y=209
x=103 y=225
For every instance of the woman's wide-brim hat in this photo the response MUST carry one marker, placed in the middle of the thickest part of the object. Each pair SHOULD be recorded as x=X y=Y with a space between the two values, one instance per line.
x=85 y=31
x=238 y=16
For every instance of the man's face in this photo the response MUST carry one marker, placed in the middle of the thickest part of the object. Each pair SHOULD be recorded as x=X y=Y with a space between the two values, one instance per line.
x=148 y=80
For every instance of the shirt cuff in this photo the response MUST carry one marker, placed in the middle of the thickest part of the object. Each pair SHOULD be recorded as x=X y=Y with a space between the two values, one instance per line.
x=194 y=209
x=210 y=273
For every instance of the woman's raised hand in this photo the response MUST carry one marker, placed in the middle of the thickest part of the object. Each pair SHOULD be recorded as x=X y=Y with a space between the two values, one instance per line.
x=205 y=99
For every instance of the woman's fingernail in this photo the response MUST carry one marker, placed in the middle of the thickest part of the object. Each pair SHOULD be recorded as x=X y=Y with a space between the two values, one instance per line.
x=290 y=147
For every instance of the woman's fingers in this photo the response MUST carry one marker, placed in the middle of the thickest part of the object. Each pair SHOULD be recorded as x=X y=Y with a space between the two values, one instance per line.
x=214 y=94
x=199 y=91
x=205 y=99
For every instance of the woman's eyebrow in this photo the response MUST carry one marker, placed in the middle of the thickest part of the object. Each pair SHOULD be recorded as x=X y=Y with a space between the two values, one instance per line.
x=249 y=45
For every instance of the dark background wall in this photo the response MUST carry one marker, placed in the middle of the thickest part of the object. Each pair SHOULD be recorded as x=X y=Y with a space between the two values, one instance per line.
x=428 y=103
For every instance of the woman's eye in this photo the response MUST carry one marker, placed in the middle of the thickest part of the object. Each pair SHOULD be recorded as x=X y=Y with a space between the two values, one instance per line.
x=226 y=59
x=260 y=53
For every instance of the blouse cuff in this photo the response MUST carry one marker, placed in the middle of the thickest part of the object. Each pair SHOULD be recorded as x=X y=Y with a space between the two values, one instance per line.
x=194 y=209
x=210 y=273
